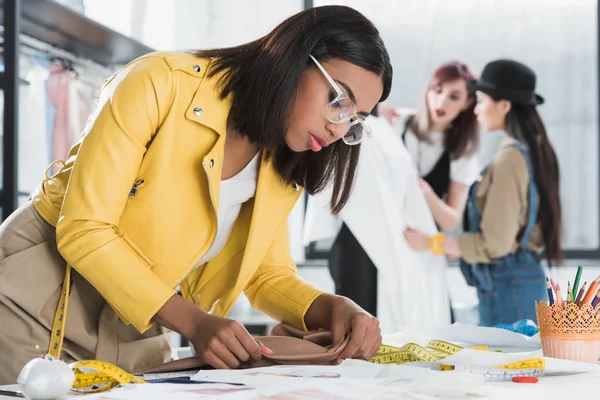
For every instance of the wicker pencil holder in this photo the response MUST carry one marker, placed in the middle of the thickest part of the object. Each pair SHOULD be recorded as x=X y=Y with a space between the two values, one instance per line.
x=571 y=332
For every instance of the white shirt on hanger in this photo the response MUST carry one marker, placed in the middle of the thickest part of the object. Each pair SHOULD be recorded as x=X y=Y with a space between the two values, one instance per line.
x=33 y=144
x=425 y=154
x=234 y=192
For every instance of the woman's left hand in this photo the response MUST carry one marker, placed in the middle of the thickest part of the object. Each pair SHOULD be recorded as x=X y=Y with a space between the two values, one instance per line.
x=347 y=318
x=417 y=240
x=426 y=188
x=452 y=248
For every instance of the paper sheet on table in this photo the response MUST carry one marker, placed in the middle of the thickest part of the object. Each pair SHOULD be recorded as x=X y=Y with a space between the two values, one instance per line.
x=299 y=389
x=415 y=380
x=465 y=335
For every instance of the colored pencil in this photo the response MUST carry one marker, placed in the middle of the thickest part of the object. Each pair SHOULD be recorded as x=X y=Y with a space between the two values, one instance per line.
x=576 y=283
x=559 y=298
x=580 y=294
x=596 y=299
x=549 y=288
x=589 y=296
x=553 y=284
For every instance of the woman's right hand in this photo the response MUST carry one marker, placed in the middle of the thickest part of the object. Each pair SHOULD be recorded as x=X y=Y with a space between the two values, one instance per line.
x=224 y=343
x=388 y=112
x=221 y=342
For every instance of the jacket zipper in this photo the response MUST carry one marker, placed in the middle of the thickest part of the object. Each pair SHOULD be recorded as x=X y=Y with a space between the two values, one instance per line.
x=135 y=187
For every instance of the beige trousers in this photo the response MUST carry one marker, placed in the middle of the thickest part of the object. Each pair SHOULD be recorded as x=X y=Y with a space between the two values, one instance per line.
x=31 y=275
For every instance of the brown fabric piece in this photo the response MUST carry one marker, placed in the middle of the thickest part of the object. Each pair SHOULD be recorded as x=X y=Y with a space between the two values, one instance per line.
x=31 y=276
x=290 y=346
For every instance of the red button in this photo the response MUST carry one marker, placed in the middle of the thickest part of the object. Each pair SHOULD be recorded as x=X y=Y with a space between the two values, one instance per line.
x=525 y=379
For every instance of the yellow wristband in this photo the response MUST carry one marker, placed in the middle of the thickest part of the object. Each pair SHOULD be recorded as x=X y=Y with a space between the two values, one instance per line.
x=436 y=244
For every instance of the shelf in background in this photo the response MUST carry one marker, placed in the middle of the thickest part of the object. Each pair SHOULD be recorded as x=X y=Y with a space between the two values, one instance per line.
x=59 y=26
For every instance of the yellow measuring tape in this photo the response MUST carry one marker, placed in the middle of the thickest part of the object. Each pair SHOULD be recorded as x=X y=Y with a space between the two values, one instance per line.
x=532 y=363
x=434 y=351
x=93 y=376
x=437 y=350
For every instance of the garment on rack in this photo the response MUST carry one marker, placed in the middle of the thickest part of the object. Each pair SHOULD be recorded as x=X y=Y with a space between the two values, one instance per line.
x=58 y=91
x=81 y=106
x=53 y=108
x=33 y=153
x=386 y=198
x=71 y=100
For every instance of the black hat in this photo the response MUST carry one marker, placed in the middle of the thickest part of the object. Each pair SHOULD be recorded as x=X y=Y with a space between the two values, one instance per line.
x=508 y=80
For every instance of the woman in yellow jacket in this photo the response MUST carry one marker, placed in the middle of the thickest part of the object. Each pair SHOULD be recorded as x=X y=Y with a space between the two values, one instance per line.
x=185 y=176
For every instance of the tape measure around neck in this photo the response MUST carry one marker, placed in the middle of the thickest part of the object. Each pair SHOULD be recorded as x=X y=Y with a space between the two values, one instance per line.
x=57 y=334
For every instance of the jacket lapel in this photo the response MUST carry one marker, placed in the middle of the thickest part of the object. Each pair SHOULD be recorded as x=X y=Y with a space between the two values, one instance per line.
x=207 y=108
x=274 y=200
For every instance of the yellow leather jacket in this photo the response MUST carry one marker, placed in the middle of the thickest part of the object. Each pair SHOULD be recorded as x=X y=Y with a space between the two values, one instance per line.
x=135 y=203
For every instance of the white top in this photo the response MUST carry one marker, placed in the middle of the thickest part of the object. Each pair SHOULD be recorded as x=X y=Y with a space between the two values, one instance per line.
x=425 y=155
x=234 y=192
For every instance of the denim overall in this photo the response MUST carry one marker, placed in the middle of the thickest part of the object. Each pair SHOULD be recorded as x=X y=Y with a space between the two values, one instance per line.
x=508 y=287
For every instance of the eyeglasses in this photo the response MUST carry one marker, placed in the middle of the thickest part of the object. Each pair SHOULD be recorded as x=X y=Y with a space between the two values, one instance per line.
x=341 y=110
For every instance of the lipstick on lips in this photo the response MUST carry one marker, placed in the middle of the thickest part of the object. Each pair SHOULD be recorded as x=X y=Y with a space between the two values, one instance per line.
x=316 y=143
x=440 y=113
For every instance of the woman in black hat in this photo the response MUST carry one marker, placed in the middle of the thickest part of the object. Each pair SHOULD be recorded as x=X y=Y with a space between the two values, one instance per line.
x=513 y=212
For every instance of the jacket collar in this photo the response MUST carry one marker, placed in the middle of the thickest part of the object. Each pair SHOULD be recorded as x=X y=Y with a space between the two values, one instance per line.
x=207 y=107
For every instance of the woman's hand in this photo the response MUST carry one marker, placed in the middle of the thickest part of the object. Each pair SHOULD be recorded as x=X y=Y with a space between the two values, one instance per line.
x=451 y=248
x=426 y=189
x=387 y=112
x=363 y=329
x=417 y=240
x=221 y=342
x=224 y=343
x=343 y=317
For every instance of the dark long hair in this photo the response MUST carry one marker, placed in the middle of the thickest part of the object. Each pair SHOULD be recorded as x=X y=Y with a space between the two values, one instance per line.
x=462 y=136
x=525 y=124
x=262 y=76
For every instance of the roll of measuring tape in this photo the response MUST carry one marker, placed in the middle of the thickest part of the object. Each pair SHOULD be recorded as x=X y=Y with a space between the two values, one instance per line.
x=93 y=376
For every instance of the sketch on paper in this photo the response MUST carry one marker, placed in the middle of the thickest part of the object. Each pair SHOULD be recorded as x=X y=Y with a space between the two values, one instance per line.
x=304 y=394
x=297 y=374
x=213 y=391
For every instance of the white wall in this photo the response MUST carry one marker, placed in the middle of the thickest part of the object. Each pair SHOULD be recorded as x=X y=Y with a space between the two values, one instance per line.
x=192 y=24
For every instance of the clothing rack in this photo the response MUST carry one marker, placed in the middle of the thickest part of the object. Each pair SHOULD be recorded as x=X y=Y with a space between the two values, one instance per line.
x=57 y=31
